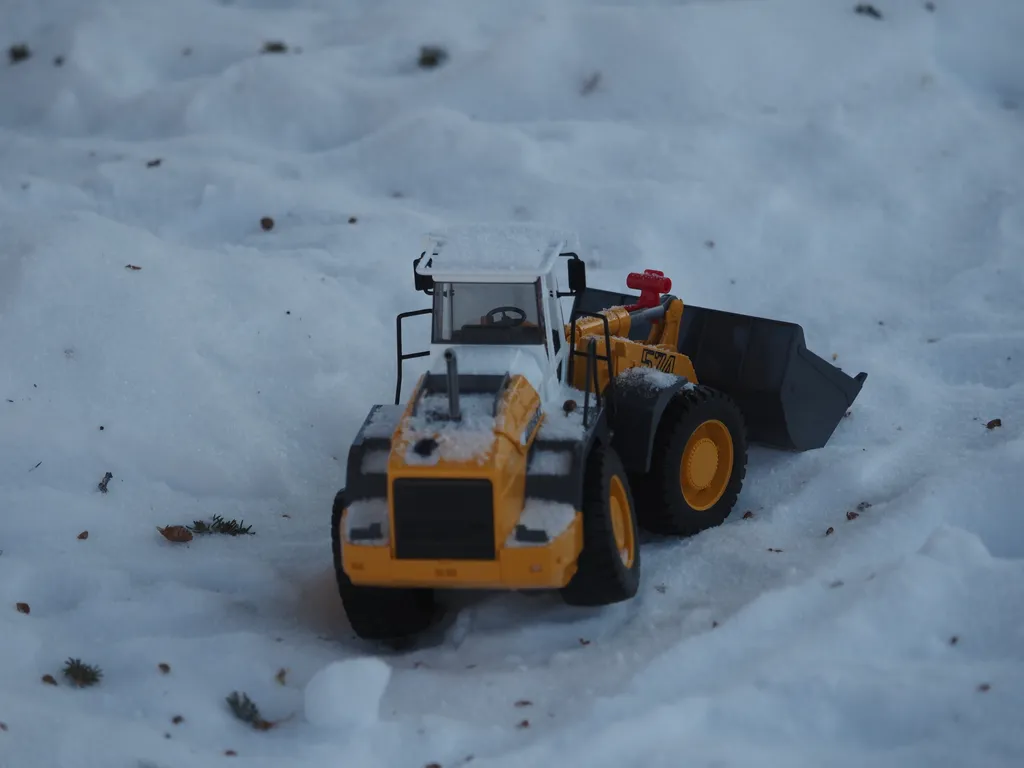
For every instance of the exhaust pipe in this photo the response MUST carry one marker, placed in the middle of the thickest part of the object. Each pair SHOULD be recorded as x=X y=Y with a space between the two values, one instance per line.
x=453 y=385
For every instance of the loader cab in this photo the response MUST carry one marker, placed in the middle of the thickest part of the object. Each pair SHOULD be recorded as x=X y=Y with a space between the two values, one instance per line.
x=502 y=321
x=495 y=302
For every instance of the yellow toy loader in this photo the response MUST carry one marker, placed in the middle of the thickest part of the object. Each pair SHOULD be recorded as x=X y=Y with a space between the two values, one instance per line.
x=532 y=451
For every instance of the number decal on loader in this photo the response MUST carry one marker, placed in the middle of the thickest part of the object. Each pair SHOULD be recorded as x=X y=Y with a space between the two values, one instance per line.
x=655 y=358
x=449 y=573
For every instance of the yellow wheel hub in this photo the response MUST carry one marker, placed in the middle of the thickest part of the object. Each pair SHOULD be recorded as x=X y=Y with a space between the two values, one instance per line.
x=622 y=521
x=706 y=466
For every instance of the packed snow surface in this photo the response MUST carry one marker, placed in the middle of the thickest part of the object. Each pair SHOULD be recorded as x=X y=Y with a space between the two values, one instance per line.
x=791 y=159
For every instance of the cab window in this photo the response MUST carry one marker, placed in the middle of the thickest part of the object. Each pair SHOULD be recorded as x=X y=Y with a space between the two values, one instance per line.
x=487 y=313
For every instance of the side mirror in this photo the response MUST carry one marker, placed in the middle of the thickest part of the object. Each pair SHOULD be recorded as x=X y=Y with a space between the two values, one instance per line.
x=423 y=283
x=577 y=275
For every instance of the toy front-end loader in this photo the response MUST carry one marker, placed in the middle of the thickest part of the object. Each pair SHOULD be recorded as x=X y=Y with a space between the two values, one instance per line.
x=532 y=451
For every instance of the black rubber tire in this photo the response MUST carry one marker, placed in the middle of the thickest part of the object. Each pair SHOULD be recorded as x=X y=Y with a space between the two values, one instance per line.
x=379 y=613
x=662 y=509
x=601 y=577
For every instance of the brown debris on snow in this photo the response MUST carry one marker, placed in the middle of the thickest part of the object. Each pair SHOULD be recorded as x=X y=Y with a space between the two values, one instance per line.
x=590 y=84
x=866 y=9
x=432 y=56
x=176 y=533
x=18 y=52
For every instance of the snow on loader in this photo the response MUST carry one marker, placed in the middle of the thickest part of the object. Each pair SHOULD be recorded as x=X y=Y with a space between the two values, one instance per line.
x=532 y=451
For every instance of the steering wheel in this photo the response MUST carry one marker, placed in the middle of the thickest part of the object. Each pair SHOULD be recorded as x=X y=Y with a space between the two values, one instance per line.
x=505 y=320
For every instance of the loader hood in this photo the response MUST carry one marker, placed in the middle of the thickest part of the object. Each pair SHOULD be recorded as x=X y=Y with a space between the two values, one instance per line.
x=495 y=410
x=429 y=436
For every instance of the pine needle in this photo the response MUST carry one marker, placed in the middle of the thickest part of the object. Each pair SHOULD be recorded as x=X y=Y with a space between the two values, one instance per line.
x=82 y=674
x=246 y=710
x=219 y=525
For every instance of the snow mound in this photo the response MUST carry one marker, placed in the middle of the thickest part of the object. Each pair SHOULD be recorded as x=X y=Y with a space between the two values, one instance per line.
x=347 y=694
x=955 y=546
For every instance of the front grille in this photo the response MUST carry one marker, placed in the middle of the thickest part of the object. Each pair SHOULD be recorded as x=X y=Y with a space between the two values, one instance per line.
x=443 y=519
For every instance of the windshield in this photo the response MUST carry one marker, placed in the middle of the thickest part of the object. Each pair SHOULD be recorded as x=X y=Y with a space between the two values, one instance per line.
x=487 y=313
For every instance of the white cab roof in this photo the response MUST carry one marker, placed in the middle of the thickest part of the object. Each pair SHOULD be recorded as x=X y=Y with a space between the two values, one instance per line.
x=494 y=252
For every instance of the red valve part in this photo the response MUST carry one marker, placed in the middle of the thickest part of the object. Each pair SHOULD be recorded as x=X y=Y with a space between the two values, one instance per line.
x=651 y=283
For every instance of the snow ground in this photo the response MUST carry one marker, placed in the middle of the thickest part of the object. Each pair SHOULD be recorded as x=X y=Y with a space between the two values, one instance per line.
x=859 y=176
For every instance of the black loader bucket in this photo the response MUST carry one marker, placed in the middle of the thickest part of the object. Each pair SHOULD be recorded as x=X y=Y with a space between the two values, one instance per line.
x=791 y=398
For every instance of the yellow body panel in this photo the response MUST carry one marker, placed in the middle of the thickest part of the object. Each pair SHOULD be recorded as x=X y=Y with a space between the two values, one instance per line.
x=657 y=351
x=669 y=327
x=522 y=567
